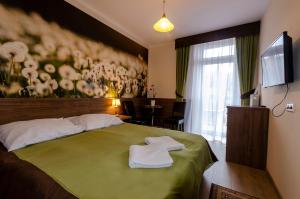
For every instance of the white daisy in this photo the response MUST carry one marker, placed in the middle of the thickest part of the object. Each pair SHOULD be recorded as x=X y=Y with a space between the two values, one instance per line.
x=48 y=43
x=77 y=54
x=50 y=46
x=81 y=85
x=29 y=73
x=89 y=91
x=66 y=84
x=63 y=53
x=108 y=69
x=99 y=92
x=78 y=76
x=85 y=74
x=77 y=65
x=8 y=35
x=49 y=68
x=84 y=63
x=44 y=76
x=132 y=72
x=92 y=66
x=139 y=67
x=41 y=50
x=34 y=82
x=31 y=64
x=15 y=51
x=67 y=72
x=121 y=72
x=127 y=93
x=43 y=89
x=31 y=90
x=53 y=84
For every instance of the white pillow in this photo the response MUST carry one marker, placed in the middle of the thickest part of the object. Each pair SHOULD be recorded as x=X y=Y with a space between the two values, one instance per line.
x=17 y=135
x=94 y=121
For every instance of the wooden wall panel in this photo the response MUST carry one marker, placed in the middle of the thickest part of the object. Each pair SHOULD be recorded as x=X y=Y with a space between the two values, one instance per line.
x=14 y=109
x=17 y=109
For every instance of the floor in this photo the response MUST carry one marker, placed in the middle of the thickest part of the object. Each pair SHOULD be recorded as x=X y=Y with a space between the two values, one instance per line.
x=240 y=178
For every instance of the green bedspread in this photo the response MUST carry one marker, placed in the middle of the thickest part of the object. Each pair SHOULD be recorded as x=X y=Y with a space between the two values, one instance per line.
x=94 y=164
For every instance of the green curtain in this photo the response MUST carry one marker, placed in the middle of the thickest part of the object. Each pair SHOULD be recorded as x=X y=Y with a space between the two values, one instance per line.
x=247 y=49
x=182 y=62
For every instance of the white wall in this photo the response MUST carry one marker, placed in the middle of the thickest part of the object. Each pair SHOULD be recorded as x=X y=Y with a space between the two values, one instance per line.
x=162 y=69
x=284 y=133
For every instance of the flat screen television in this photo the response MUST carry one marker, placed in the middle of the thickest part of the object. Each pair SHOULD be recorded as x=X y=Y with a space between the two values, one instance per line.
x=277 y=62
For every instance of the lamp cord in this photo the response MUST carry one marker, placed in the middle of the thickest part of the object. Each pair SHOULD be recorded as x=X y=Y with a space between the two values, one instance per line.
x=283 y=112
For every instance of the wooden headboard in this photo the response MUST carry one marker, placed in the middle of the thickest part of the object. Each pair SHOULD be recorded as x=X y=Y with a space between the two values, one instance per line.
x=18 y=109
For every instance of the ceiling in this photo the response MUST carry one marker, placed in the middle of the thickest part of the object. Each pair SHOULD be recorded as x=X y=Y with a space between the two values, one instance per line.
x=135 y=18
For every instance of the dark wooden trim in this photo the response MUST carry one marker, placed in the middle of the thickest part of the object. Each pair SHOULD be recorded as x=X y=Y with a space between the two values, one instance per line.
x=20 y=109
x=236 y=31
x=79 y=22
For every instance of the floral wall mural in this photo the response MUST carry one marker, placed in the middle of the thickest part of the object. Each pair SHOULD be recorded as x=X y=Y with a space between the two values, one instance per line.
x=41 y=59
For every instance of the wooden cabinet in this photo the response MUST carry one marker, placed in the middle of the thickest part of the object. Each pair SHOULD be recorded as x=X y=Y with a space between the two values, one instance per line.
x=247 y=136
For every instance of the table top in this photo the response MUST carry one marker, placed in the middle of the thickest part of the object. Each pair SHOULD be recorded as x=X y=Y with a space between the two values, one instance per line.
x=124 y=117
x=155 y=106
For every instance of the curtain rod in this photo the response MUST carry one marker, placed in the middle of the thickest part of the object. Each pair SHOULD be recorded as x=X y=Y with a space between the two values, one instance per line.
x=235 y=31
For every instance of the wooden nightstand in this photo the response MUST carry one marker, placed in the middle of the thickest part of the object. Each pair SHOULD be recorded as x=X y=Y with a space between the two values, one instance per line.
x=124 y=117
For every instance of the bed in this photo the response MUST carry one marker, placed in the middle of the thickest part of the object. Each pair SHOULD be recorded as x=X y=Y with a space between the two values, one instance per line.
x=94 y=164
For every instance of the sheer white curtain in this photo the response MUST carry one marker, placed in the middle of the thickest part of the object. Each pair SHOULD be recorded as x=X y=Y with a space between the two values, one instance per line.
x=212 y=84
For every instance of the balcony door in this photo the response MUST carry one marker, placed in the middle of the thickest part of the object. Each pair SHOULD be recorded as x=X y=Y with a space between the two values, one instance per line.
x=212 y=84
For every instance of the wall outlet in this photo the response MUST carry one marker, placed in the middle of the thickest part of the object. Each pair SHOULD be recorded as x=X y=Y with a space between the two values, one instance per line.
x=290 y=107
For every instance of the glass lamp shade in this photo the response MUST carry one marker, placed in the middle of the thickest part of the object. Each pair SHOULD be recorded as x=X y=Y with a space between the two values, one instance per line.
x=163 y=25
x=116 y=102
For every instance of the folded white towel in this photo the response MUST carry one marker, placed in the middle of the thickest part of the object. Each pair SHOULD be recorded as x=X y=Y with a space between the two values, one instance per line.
x=149 y=156
x=166 y=141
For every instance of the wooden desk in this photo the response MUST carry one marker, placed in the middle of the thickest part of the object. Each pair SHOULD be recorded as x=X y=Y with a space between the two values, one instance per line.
x=124 y=117
x=153 y=108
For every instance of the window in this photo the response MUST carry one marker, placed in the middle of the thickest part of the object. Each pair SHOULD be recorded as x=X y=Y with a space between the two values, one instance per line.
x=212 y=85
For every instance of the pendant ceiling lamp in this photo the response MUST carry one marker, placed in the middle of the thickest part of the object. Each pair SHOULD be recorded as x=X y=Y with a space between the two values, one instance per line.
x=164 y=24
